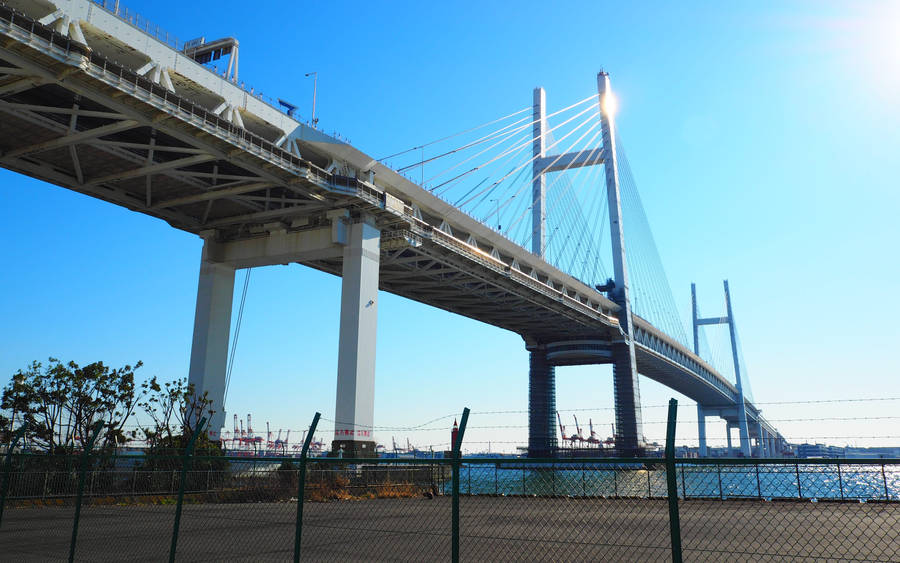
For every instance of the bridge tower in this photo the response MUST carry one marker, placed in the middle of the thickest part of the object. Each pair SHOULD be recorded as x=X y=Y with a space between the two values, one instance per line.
x=625 y=376
x=542 y=382
x=742 y=405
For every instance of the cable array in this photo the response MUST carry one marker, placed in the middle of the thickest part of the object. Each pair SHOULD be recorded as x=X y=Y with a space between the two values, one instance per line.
x=487 y=172
x=651 y=295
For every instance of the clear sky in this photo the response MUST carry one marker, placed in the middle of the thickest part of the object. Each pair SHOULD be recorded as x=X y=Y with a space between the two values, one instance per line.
x=763 y=136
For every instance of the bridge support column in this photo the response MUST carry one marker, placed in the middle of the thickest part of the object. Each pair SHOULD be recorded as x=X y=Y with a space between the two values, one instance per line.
x=354 y=412
x=212 y=326
x=728 y=428
x=541 y=405
x=629 y=434
x=701 y=430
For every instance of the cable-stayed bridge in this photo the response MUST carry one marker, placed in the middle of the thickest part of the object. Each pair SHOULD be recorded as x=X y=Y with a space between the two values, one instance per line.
x=521 y=223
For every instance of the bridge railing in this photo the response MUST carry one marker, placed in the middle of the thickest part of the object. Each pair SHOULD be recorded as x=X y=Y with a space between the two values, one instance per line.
x=125 y=78
x=117 y=8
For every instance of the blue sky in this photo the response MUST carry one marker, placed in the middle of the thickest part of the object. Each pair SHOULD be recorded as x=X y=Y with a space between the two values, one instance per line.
x=763 y=138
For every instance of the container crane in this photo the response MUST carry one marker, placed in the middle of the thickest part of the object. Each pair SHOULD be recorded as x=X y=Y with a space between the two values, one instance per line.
x=611 y=441
x=592 y=439
x=562 y=429
x=579 y=436
x=284 y=444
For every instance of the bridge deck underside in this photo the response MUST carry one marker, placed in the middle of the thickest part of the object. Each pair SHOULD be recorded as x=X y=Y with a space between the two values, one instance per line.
x=128 y=159
x=438 y=277
x=661 y=369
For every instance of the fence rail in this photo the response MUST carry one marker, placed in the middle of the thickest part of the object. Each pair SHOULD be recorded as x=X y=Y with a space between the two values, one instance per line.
x=402 y=509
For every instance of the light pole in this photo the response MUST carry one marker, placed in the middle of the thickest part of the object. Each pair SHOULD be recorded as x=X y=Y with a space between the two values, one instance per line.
x=497 y=200
x=315 y=76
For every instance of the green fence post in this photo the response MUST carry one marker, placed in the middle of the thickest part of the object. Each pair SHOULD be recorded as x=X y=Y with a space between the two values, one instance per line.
x=719 y=474
x=457 y=461
x=672 y=482
x=84 y=465
x=758 y=483
x=188 y=453
x=7 y=468
x=301 y=486
x=840 y=481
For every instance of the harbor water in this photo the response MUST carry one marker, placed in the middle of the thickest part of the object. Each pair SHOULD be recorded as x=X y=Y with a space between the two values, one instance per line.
x=789 y=480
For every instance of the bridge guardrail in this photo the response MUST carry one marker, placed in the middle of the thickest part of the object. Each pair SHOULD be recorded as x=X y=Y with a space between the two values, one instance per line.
x=120 y=76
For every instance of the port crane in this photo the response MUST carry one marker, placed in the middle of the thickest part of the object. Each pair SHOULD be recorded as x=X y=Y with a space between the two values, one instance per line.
x=592 y=439
x=611 y=441
x=579 y=436
x=282 y=444
x=562 y=428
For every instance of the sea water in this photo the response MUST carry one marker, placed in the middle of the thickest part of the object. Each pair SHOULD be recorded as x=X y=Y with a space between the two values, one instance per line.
x=789 y=480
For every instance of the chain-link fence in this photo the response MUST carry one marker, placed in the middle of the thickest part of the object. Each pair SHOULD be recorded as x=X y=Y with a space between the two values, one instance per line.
x=246 y=508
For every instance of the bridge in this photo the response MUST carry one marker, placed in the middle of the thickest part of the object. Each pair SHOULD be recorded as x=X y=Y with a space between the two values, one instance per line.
x=97 y=100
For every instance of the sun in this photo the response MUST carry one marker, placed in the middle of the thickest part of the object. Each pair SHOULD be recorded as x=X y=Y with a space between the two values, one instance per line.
x=609 y=104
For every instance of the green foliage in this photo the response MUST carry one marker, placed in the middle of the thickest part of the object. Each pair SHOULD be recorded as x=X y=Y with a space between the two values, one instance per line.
x=175 y=410
x=60 y=403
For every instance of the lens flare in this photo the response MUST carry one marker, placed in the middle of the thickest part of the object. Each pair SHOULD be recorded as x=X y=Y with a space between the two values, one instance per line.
x=609 y=104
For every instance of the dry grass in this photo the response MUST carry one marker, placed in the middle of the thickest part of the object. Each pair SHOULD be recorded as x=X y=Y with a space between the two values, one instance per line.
x=338 y=488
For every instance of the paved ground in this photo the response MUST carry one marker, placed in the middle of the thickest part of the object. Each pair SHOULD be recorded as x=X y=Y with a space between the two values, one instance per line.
x=492 y=529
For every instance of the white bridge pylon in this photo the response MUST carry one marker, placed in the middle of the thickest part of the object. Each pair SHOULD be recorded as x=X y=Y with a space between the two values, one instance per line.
x=620 y=351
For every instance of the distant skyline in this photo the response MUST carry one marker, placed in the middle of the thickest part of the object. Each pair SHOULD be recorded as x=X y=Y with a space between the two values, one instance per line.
x=763 y=139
